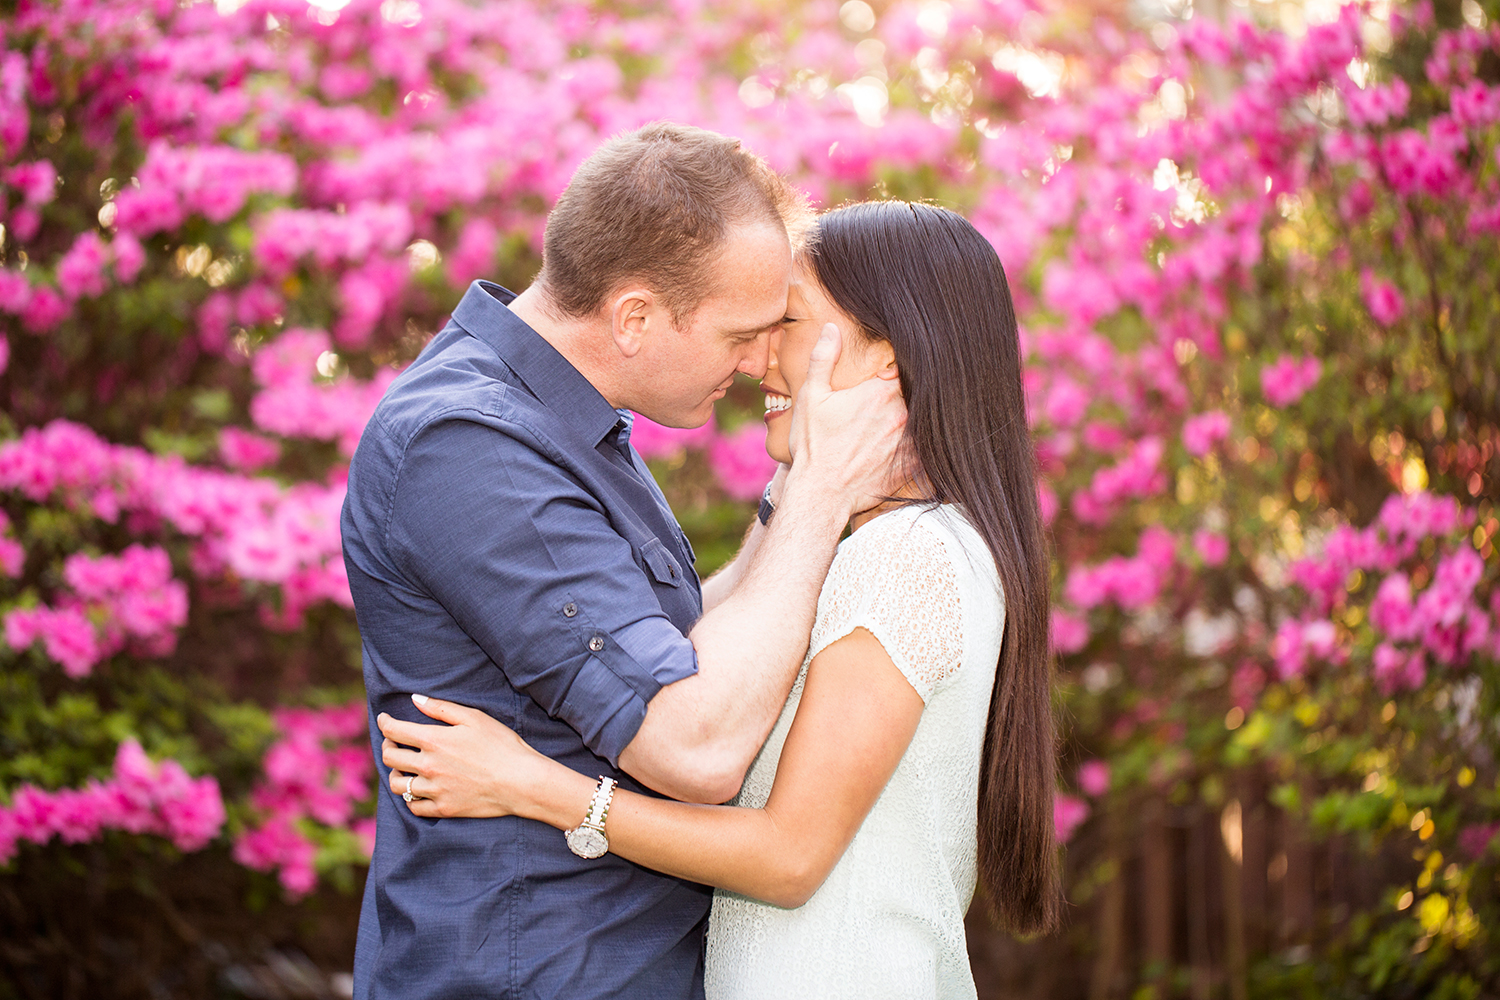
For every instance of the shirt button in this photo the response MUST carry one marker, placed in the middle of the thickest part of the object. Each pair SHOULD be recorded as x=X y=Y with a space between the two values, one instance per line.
x=570 y=609
x=672 y=570
x=596 y=643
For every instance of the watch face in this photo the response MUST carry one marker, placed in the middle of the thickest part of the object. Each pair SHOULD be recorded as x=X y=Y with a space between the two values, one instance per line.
x=586 y=842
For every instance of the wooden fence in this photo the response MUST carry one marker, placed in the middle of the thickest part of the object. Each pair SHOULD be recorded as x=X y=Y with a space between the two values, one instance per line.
x=1184 y=899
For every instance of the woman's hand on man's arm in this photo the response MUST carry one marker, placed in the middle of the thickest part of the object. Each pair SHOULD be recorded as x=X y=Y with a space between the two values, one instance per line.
x=472 y=766
x=855 y=720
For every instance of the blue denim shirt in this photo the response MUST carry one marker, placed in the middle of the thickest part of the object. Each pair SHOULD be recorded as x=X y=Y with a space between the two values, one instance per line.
x=508 y=549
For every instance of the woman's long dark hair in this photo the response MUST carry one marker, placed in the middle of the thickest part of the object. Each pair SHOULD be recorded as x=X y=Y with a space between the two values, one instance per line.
x=923 y=279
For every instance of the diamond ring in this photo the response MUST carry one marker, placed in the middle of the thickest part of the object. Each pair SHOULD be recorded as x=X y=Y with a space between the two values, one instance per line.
x=407 y=795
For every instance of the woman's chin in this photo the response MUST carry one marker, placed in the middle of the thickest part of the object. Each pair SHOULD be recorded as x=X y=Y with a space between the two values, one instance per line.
x=779 y=453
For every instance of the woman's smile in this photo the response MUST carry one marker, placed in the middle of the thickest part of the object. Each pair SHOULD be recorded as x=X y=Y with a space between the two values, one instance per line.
x=776 y=404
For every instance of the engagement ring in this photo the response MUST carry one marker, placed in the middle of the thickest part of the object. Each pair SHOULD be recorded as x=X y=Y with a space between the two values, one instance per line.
x=407 y=795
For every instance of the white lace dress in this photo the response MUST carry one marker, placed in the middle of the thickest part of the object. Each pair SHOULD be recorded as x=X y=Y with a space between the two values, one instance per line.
x=888 y=922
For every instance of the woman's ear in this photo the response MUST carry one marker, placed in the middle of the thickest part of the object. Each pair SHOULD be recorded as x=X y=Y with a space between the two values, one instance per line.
x=885 y=357
x=630 y=320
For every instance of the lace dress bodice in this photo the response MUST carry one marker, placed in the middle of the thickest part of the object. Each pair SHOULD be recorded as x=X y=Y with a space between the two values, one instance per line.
x=888 y=922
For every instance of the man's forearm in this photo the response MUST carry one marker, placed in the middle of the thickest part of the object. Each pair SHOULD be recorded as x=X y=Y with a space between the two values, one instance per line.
x=701 y=733
x=719 y=586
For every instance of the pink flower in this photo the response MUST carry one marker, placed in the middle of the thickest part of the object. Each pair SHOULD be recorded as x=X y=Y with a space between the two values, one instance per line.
x=147 y=211
x=214 y=316
x=1391 y=610
x=318 y=769
x=1202 y=431
x=80 y=272
x=1287 y=380
x=1066 y=402
x=1070 y=633
x=1137 y=475
x=196 y=814
x=70 y=640
x=1099 y=435
x=37 y=181
x=1413 y=517
x=129 y=256
x=278 y=844
x=1046 y=499
x=1212 y=547
x=1297 y=642
x=141 y=797
x=1068 y=813
x=653 y=440
x=740 y=462
x=12 y=557
x=1418 y=164
x=1381 y=298
x=33 y=811
x=66 y=636
x=474 y=255
x=257 y=304
x=245 y=451
x=45 y=310
x=1131 y=583
x=1475 y=105
x=364 y=831
x=25 y=221
x=1377 y=105
x=15 y=291
x=1395 y=669
x=1093 y=778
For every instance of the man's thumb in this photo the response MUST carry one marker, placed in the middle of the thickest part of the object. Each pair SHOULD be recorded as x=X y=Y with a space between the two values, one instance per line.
x=825 y=354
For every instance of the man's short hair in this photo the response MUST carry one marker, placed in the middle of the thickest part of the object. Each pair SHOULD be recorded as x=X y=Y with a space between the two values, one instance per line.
x=654 y=205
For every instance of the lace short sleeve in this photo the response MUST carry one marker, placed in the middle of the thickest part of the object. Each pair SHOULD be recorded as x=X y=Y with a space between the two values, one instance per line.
x=894 y=577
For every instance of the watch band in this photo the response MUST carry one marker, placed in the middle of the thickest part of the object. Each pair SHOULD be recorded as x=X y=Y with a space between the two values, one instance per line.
x=767 y=507
x=588 y=839
x=604 y=794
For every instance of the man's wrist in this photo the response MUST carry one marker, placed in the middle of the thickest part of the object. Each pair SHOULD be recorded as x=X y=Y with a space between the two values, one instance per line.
x=805 y=494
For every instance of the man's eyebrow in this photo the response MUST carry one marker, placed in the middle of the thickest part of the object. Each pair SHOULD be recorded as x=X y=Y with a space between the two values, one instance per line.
x=755 y=331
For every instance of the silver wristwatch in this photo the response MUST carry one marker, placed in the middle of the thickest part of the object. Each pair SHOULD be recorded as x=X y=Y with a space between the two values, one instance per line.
x=767 y=506
x=587 y=840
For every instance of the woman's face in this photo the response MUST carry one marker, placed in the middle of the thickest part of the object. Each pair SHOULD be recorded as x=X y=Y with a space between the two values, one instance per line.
x=808 y=308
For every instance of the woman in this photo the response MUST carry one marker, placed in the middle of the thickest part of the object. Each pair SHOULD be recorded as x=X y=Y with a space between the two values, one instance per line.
x=915 y=752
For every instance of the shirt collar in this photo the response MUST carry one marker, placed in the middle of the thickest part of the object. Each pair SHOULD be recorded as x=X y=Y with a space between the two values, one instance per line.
x=485 y=314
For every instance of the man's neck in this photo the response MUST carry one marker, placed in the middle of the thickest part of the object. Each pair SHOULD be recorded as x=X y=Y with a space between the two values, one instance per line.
x=585 y=344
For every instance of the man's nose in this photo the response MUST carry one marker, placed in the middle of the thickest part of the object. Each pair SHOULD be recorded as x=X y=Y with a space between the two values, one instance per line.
x=757 y=357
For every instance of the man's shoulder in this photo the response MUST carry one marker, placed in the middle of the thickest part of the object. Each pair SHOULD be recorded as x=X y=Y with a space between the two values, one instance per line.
x=456 y=379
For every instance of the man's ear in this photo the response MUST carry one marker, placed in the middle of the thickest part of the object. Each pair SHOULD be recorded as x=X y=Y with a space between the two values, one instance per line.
x=630 y=319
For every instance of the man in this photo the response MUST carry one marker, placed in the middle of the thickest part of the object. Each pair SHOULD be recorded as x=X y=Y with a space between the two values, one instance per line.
x=509 y=550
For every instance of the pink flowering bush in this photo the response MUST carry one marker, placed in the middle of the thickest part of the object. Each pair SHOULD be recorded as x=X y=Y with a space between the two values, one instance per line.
x=1254 y=269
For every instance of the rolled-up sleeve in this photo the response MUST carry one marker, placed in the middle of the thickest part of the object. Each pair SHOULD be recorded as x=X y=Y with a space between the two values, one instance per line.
x=527 y=562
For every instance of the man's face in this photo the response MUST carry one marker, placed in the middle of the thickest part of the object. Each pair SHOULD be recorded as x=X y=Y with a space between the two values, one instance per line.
x=687 y=368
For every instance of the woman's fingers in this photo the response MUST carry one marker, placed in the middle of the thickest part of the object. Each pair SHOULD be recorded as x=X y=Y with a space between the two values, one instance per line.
x=426 y=808
x=825 y=354
x=412 y=734
x=444 y=711
x=423 y=789
x=400 y=758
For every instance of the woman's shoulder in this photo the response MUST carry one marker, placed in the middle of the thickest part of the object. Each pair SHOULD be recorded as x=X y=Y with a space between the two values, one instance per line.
x=898 y=578
x=920 y=532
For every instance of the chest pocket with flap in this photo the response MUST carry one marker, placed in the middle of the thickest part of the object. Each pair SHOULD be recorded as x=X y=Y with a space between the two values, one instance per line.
x=661 y=564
